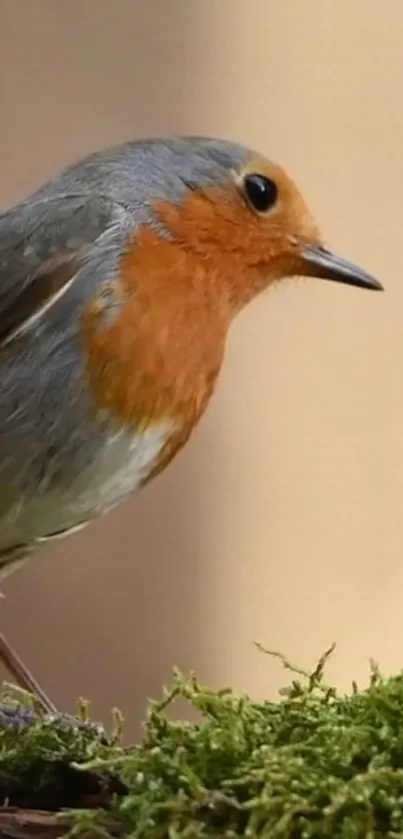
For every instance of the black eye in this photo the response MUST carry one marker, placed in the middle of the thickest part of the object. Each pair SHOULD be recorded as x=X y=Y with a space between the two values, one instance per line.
x=260 y=191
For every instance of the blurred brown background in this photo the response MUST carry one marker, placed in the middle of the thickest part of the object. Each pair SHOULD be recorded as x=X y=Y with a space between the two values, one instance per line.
x=283 y=519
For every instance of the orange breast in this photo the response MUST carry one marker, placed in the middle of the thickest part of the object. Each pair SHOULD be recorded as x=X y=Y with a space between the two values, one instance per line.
x=161 y=355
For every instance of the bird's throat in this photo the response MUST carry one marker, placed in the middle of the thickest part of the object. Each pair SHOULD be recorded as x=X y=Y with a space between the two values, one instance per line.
x=161 y=354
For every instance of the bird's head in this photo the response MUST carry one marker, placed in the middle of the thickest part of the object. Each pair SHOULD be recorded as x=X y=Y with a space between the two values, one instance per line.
x=215 y=224
x=242 y=216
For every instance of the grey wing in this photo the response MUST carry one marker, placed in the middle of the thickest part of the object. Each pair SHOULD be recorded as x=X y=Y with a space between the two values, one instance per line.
x=46 y=245
x=42 y=245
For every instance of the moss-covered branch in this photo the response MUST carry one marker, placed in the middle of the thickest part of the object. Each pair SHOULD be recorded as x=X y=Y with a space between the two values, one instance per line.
x=316 y=763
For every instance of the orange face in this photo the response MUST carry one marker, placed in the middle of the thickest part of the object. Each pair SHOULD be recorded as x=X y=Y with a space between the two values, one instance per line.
x=253 y=232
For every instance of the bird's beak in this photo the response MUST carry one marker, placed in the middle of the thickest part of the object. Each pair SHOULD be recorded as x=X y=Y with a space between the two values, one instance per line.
x=317 y=261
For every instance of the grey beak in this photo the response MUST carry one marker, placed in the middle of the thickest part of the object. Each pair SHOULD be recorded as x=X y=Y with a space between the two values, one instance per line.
x=322 y=263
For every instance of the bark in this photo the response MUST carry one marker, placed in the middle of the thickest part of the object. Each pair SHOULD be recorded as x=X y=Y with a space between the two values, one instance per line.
x=17 y=823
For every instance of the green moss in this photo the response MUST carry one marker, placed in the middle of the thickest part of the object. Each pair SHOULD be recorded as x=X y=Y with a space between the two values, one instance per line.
x=37 y=753
x=316 y=763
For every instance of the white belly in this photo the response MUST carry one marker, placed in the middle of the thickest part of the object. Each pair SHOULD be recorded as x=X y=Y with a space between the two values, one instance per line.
x=118 y=470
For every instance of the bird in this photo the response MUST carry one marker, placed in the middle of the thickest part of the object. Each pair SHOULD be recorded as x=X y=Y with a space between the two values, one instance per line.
x=120 y=278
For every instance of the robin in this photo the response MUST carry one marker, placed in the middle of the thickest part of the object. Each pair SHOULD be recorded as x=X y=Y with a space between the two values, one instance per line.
x=120 y=279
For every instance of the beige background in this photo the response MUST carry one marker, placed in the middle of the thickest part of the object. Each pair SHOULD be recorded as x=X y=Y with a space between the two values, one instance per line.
x=283 y=519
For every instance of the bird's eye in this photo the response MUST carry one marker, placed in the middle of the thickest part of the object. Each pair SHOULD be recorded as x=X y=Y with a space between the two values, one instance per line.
x=260 y=191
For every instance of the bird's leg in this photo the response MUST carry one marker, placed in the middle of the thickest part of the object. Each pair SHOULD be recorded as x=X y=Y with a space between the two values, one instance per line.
x=22 y=676
x=12 y=662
